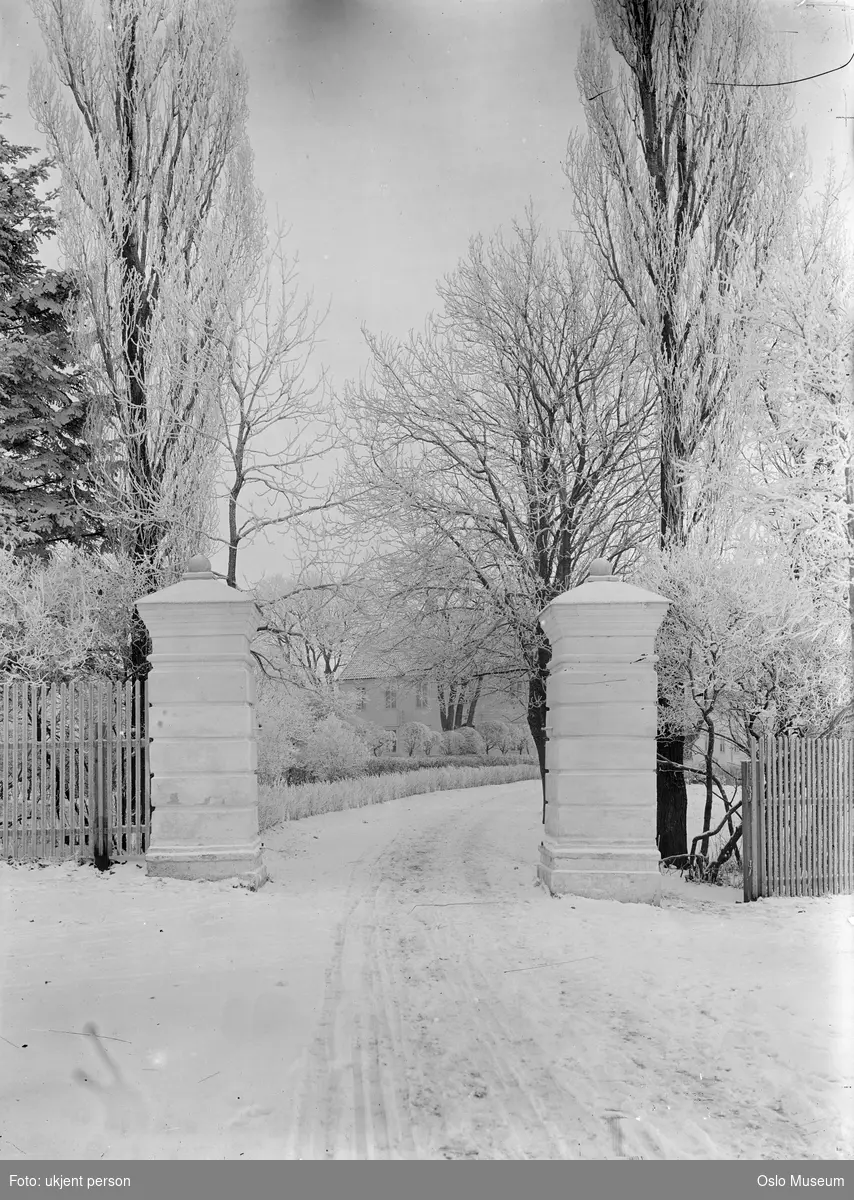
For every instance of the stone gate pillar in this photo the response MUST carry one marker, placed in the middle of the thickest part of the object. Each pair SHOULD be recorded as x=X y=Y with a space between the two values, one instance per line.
x=600 y=826
x=203 y=754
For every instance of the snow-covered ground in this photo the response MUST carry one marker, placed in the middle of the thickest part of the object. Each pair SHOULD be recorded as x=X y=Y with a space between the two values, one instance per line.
x=403 y=988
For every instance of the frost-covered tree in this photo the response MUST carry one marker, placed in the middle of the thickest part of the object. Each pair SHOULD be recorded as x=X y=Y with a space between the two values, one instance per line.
x=43 y=401
x=744 y=650
x=143 y=104
x=511 y=439
x=794 y=435
x=681 y=184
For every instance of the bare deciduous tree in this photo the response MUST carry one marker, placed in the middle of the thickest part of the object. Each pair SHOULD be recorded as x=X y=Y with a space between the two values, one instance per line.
x=274 y=422
x=311 y=626
x=434 y=619
x=512 y=436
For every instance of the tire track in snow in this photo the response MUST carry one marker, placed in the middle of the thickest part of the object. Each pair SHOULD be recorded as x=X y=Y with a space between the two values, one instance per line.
x=354 y=1101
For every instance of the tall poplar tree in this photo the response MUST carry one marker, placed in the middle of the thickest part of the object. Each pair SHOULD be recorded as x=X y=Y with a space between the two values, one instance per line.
x=680 y=185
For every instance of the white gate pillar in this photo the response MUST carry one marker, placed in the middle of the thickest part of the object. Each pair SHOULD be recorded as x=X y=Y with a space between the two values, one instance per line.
x=203 y=754
x=600 y=826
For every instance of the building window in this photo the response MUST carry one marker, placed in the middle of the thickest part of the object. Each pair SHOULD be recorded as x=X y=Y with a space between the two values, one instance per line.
x=391 y=695
x=362 y=699
x=421 y=699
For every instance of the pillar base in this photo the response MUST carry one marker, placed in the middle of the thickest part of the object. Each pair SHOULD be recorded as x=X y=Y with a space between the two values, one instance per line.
x=619 y=873
x=246 y=863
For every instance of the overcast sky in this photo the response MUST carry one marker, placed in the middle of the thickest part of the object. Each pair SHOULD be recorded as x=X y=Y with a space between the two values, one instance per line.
x=388 y=132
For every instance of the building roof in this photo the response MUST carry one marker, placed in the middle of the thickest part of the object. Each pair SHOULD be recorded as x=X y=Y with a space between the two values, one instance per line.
x=370 y=662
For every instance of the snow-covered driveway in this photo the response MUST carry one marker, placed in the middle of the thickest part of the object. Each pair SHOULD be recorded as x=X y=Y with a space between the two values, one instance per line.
x=402 y=988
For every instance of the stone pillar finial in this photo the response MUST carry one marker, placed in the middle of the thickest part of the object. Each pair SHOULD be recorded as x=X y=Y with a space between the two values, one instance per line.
x=600 y=570
x=198 y=567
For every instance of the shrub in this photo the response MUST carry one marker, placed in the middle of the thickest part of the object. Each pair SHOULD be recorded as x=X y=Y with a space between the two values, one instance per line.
x=519 y=740
x=388 y=766
x=377 y=740
x=470 y=741
x=412 y=737
x=286 y=717
x=434 y=743
x=450 y=744
x=332 y=751
x=496 y=735
x=69 y=616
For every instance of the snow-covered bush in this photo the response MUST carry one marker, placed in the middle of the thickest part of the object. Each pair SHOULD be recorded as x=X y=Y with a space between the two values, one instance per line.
x=451 y=744
x=470 y=741
x=412 y=737
x=67 y=617
x=376 y=739
x=496 y=735
x=433 y=745
x=285 y=719
x=332 y=751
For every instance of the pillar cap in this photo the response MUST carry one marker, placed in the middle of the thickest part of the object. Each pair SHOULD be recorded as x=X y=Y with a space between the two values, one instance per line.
x=198 y=567
x=600 y=571
x=198 y=585
x=602 y=589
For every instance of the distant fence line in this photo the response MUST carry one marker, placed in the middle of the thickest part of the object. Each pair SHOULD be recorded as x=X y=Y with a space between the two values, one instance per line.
x=798 y=817
x=74 y=776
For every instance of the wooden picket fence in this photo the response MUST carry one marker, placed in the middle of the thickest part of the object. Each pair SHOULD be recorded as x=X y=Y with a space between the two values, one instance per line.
x=74 y=777
x=798 y=817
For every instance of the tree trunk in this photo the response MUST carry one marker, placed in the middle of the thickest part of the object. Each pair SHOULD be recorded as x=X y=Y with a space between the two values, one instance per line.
x=140 y=648
x=233 y=537
x=729 y=849
x=457 y=710
x=447 y=705
x=707 y=811
x=672 y=799
x=537 y=708
x=473 y=703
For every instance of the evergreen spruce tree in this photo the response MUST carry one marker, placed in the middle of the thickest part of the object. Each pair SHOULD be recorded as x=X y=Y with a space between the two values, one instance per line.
x=43 y=454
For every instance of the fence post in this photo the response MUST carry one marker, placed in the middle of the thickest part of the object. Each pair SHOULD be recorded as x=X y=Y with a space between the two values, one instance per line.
x=747 y=834
x=103 y=790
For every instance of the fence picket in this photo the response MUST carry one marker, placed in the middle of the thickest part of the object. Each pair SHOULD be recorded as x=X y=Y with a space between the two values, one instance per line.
x=52 y=775
x=795 y=794
x=849 y=815
x=5 y=777
x=745 y=836
x=835 y=809
x=774 y=807
x=810 y=802
x=822 y=808
x=785 y=805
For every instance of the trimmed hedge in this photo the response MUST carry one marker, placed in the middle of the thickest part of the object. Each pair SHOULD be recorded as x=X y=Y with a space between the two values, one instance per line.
x=297 y=775
x=396 y=766
x=280 y=804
